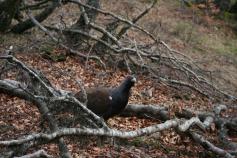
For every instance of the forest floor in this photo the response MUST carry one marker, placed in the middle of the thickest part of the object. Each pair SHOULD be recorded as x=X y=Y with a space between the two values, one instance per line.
x=211 y=42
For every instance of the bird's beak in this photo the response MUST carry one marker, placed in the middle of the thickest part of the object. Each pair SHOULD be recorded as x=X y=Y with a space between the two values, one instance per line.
x=134 y=80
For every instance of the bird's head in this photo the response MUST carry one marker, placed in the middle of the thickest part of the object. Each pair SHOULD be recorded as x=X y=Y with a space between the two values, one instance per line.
x=129 y=82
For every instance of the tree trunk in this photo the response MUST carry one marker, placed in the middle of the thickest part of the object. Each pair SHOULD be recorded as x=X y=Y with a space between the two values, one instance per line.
x=8 y=10
x=82 y=25
x=233 y=9
x=28 y=24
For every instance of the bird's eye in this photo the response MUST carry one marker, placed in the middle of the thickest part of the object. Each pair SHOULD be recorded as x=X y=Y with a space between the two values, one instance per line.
x=133 y=79
x=110 y=98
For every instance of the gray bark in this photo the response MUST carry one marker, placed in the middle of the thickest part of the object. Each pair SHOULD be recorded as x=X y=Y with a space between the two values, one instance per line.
x=88 y=16
x=8 y=9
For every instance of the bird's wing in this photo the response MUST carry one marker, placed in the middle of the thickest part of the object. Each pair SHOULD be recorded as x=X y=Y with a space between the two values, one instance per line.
x=99 y=100
x=80 y=96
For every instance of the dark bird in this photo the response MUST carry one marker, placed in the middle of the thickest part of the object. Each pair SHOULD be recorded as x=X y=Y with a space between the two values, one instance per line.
x=108 y=102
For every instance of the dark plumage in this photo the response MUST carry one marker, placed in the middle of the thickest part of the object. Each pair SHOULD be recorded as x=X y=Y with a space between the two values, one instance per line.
x=107 y=102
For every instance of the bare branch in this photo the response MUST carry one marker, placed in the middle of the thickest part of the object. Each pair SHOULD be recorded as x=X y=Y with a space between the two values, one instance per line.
x=143 y=13
x=116 y=17
x=32 y=73
x=37 y=154
x=146 y=111
x=62 y=45
x=96 y=132
x=105 y=132
x=209 y=146
x=23 y=26
x=41 y=104
x=193 y=121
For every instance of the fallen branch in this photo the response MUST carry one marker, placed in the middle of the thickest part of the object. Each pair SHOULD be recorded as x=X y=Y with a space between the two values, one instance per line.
x=27 y=24
x=209 y=146
x=146 y=111
x=95 y=132
x=182 y=125
x=62 y=45
x=208 y=119
x=15 y=88
x=37 y=154
x=116 y=17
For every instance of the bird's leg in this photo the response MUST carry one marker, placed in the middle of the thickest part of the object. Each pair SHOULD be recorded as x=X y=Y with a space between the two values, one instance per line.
x=84 y=140
x=101 y=141
x=116 y=143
